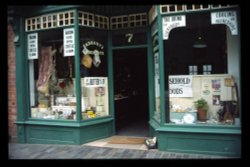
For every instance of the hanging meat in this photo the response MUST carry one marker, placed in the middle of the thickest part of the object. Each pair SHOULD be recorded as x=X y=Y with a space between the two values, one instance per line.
x=45 y=69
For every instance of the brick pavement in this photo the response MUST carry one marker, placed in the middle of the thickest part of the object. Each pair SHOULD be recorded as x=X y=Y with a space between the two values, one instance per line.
x=46 y=151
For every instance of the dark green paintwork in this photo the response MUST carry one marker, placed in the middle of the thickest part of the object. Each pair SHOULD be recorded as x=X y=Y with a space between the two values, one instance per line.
x=77 y=67
x=150 y=74
x=66 y=133
x=161 y=64
x=96 y=131
x=21 y=88
x=200 y=143
x=218 y=140
x=129 y=47
x=111 y=80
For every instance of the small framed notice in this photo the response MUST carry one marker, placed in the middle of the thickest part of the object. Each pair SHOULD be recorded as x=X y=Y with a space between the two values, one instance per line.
x=32 y=46
x=69 y=41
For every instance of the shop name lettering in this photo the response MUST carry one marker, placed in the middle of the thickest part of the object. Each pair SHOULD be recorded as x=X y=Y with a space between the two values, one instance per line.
x=227 y=18
x=225 y=14
x=91 y=82
x=170 y=23
x=227 y=22
x=89 y=43
x=177 y=81
x=170 y=27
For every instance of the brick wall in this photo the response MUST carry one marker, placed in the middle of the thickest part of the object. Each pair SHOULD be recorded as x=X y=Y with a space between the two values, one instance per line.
x=11 y=86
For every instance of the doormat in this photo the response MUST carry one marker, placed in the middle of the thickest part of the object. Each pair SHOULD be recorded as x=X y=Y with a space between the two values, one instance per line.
x=126 y=140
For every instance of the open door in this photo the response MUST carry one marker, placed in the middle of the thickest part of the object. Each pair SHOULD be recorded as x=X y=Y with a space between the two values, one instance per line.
x=131 y=92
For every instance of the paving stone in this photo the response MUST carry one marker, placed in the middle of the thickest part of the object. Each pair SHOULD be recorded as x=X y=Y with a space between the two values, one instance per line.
x=35 y=155
x=165 y=156
x=43 y=151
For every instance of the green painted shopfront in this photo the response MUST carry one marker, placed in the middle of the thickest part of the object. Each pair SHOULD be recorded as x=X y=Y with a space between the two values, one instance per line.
x=172 y=72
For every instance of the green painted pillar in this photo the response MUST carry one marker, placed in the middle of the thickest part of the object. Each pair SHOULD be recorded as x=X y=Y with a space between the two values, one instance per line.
x=150 y=74
x=77 y=67
x=111 y=79
x=21 y=81
x=161 y=64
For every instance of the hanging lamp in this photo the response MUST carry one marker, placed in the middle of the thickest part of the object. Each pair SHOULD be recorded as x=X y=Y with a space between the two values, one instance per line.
x=199 y=43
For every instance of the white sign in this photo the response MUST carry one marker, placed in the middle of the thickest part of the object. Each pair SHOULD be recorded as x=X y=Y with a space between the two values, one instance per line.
x=180 y=86
x=228 y=18
x=33 y=46
x=171 y=22
x=94 y=81
x=69 y=42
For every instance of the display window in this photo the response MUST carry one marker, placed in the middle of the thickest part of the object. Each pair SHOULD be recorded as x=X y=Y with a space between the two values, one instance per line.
x=51 y=76
x=202 y=68
x=157 y=110
x=156 y=68
x=93 y=71
x=51 y=56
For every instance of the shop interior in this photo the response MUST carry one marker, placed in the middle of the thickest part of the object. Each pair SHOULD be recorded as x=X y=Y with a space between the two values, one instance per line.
x=131 y=92
x=181 y=52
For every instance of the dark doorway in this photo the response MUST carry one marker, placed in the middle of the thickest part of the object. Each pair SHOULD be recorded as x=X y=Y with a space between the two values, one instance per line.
x=131 y=92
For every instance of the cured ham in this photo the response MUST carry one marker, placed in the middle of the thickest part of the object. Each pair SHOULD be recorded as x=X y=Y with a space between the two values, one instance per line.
x=45 y=69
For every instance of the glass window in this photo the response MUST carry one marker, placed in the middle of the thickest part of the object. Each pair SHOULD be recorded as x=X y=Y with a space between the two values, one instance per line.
x=207 y=69
x=192 y=70
x=155 y=46
x=201 y=73
x=93 y=69
x=52 y=84
x=157 y=86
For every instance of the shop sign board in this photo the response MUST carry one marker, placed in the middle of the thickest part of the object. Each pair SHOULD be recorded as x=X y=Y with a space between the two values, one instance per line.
x=228 y=18
x=69 y=42
x=171 y=22
x=33 y=46
x=180 y=86
x=92 y=47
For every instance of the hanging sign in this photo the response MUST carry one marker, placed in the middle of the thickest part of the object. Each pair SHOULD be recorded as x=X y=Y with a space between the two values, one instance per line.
x=171 y=22
x=228 y=18
x=33 y=46
x=94 y=81
x=69 y=42
x=180 y=86
x=93 y=48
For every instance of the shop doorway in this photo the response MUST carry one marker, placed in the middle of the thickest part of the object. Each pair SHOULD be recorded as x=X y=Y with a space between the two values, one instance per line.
x=131 y=92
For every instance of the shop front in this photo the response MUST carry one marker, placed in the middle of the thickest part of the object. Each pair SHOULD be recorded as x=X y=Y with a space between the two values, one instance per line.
x=85 y=73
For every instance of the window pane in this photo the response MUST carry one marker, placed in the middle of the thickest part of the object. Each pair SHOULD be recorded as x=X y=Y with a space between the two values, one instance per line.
x=52 y=83
x=93 y=69
x=183 y=61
